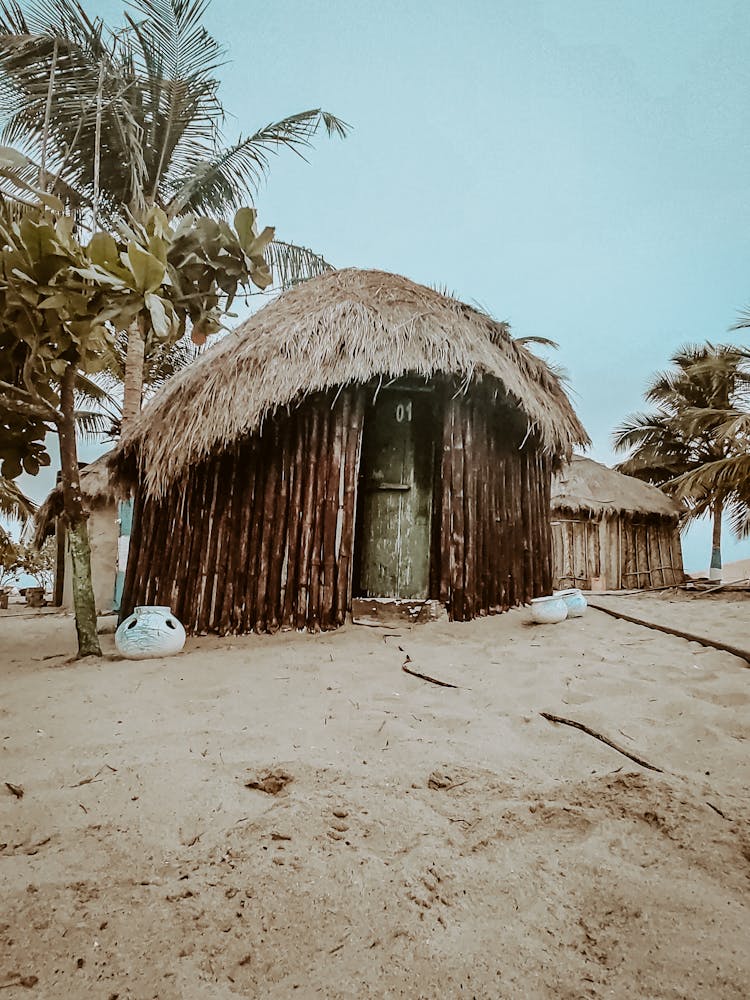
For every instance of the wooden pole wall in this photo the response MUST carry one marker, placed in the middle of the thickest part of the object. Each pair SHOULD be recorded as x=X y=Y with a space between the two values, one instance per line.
x=626 y=552
x=262 y=536
x=493 y=502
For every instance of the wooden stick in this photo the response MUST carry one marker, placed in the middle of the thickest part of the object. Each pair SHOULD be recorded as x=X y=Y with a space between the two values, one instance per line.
x=602 y=739
x=230 y=543
x=470 y=522
x=204 y=526
x=322 y=461
x=269 y=515
x=743 y=654
x=349 y=513
x=126 y=599
x=249 y=592
x=445 y=507
x=330 y=513
x=274 y=613
x=211 y=518
x=294 y=528
x=308 y=516
x=425 y=677
x=217 y=543
x=457 y=551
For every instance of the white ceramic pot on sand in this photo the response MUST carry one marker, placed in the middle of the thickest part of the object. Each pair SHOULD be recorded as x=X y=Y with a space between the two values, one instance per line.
x=575 y=602
x=150 y=631
x=548 y=610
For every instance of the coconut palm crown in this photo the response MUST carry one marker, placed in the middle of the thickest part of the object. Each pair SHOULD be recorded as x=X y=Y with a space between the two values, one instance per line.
x=131 y=117
x=695 y=444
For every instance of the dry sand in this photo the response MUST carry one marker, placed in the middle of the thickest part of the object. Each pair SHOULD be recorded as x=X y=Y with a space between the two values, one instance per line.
x=431 y=843
x=733 y=572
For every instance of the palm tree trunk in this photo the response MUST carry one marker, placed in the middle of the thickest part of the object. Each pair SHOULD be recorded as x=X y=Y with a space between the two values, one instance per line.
x=714 y=572
x=75 y=516
x=133 y=382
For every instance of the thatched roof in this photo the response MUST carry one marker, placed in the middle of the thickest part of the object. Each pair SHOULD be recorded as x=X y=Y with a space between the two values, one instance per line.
x=96 y=489
x=584 y=486
x=345 y=327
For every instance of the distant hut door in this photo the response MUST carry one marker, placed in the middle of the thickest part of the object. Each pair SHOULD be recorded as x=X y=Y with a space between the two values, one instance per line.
x=396 y=484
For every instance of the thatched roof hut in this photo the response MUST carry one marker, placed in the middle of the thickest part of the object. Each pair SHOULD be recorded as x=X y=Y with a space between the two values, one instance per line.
x=612 y=531
x=96 y=489
x=359 y=398
x=100 y=501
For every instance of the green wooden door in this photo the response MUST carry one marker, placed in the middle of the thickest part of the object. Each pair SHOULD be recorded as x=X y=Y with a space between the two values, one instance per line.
x=396 y=480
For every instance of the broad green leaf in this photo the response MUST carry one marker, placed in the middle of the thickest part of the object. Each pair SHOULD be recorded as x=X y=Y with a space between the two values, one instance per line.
x=146 y=269
x=57 y=301
x=38 y=239
x=244 y=224
x=159 y=322
x=260 y=243
x=158 y=247
x=100 y=276
x=30 y=464
x=158 y=223
x=261 y=274
x=102 y=250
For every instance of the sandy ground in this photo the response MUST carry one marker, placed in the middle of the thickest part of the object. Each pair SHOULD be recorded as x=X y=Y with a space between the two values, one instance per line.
x=734 y=571
x=433 y=842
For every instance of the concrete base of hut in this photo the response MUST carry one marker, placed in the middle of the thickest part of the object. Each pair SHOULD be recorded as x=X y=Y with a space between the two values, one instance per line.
x=393 y=611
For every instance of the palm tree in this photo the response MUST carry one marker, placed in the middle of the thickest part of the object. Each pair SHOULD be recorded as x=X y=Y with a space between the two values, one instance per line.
x=696 y=443
x=120 y=120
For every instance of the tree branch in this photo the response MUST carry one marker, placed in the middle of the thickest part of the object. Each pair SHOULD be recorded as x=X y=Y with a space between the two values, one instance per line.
x=44 y=409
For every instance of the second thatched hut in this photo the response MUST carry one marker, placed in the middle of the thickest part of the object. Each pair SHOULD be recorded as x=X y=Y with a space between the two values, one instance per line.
x=361 y=435
x=104 y=530
x=612 y=532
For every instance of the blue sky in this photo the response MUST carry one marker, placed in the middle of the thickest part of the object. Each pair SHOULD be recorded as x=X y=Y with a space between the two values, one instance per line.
x=577 y=167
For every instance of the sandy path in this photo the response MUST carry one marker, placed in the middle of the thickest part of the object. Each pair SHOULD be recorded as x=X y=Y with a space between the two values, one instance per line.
x=547 y=865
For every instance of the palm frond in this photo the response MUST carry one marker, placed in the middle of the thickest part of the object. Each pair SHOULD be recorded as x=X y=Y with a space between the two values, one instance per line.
x=696 y=445
x=223 y=181
x=290 y=264
x=82 y=46
x=14 y=504
x=92 y=423
x=176 y=59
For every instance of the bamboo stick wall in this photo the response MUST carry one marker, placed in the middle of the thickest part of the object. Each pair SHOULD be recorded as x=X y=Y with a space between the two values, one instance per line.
x=262 y=536
x=622 y=552
x=493 y=547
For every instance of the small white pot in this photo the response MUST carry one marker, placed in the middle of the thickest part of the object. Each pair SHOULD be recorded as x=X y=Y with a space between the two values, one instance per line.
x=150 y=631
x=548 y=610
x=575 y=602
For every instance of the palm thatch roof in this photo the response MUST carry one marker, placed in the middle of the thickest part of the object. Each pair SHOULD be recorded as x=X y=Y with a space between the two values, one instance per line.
x=344 y=327
x=96 y=488
x=586 y=487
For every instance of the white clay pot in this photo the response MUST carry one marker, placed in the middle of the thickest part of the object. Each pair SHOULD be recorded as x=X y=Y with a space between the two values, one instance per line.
x=575 y=602
x=150 y=631
x=548 y=610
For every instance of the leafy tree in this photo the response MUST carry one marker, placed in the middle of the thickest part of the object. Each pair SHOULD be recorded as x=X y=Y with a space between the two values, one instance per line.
x=39 y=562
x=695 y=444
x=61 y=304
x=10 y=559
x=131 y=119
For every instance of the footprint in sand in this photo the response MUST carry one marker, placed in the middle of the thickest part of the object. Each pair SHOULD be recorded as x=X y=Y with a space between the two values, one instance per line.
x=729 y=699
x=429 y=890
x=338 y=827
